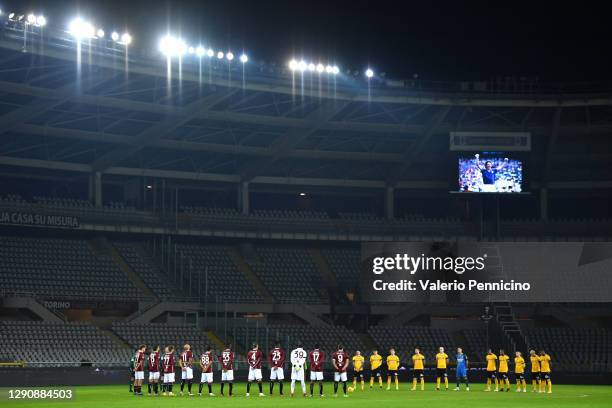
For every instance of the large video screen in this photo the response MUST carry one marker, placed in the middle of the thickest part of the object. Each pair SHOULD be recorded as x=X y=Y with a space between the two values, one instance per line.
x=490 y=172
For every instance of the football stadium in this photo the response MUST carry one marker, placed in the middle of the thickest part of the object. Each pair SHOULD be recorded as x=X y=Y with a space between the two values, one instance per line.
x=187 y=224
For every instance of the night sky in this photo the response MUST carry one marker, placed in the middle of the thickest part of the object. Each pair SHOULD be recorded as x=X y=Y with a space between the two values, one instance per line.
x=437 y=40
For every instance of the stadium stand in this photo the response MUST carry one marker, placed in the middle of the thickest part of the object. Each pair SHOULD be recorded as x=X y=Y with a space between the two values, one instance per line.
x=43 y=344
x=225 y=282
x=162 y=334
x=289 y=273
x=344 y=263
x=60 y=268
x=585 y=350
x=406 y=338
x=476 y=346
x=289 y=335
x=149 y=272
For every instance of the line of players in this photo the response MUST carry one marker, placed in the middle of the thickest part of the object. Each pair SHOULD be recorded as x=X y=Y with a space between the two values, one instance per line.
x=159 y=364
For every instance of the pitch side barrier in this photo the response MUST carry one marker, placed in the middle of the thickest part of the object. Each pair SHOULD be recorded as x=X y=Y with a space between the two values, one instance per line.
x=89 y=374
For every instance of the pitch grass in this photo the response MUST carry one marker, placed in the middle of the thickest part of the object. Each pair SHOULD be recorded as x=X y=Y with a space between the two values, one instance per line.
x=569 y=396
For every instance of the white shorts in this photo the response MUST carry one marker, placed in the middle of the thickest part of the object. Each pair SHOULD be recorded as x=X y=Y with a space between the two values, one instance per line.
x=139 y=375
x=255 y=374
x=206 y=378
x=297 y=374
x=340 y=376
x=277 y=374
x=187 y=373
x=316 y=376
x=168 y=378
x=227 y=375
x=154 y=376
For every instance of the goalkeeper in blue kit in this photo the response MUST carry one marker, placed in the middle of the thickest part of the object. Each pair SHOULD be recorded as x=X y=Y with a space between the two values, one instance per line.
x=462 y=363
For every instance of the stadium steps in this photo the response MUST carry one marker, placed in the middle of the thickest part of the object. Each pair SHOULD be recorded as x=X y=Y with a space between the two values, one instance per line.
x=241 y=264
x=368 y=342
x=32 y=305
x=217 y=342
x=115 y=339
x=326 y=273
x=509 y=326
x=127 y=269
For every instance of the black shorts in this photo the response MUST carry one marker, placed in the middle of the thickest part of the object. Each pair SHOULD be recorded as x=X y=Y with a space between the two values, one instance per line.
x=417 y=374
x=535 y=376
x=358 y=374
x=519 y=376
x=391 y=372
x=545 y=376
x=502 y=376
x=375 y=372
x=491 y=375
x=441 y=373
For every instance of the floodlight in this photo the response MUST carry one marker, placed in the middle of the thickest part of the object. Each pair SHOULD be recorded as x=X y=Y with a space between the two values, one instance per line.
x=329 y=69
x=31 y=19
x=100 y=33
x=80 y=29
x=244 y=58
x=335 y=70
x=229 y=56
x=320 y=68
x=302 y=65
x=220 y=55
x=199 y=51
x=311 y=67
x=210 y=53
x=191 y=50
x=126 y=39
x=293 y=65
x=41 y=21
x=172 y=47
x=115 y=36
x=369 y=73
x=11 y=16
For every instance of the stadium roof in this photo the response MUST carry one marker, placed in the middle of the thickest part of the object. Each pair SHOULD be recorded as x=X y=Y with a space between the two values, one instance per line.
x=123 y=116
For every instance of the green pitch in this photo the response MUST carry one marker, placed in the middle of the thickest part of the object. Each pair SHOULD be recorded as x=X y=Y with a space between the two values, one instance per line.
x=569 y=396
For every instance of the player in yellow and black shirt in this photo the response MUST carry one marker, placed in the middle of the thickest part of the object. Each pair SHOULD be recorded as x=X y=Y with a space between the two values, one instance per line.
x=418 y=366
x=358 y=363
x=519 y=372
x=535 y=370
x=491 y=370
x=503 y=369
x=441 y=363
x=393 y=363
x=545 y=372
x=375 y=364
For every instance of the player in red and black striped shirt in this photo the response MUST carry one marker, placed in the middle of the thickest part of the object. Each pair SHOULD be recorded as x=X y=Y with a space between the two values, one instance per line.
x=154 y=370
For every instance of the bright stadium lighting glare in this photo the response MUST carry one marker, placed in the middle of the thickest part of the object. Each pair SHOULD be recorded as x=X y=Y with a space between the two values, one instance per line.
x=229 y=56
x=311 y=67
x=11 y=16
x=369 y=73
x=244 y=58
x=293 y=65
x=302 y=66
x=335 y=70
x=320 y=68
x=100 y=33
x=191 y=50
x=172 y=47
x=115 y=36
x=31 y=19
x=80 y=29
x=126 y=39
x=220 y=55
x=329 y=69
x=41 y=21
x=199 y=51
x=210 y=53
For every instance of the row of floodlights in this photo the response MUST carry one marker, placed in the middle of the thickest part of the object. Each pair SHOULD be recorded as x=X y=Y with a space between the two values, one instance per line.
x=303 y=66
x=31 y=19
x=83 y=30
x=171 y=46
